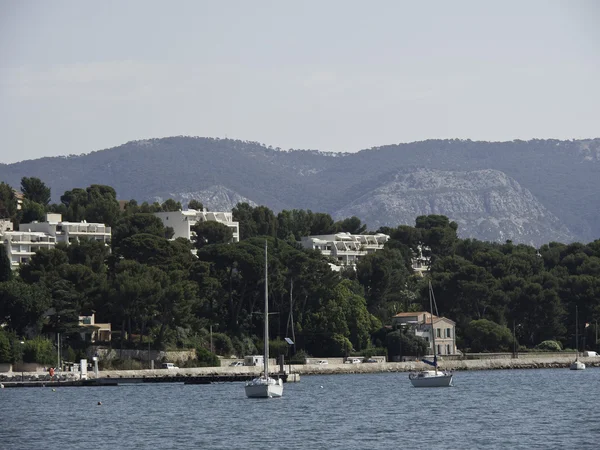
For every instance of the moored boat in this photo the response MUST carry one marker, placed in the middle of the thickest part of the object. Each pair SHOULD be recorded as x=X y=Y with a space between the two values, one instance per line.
x=577 y=365
x=264 y=386
x=436 y=377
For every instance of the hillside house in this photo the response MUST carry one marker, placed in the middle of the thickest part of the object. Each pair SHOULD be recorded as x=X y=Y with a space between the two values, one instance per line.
x=92 y=331
x=345 y=248
x=420 y=263
x=182 y=222
x=69 y=232
x=21 y=245
x=420 y=322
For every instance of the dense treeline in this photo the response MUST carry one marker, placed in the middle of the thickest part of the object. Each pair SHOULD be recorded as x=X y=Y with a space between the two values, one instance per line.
x=155 y=291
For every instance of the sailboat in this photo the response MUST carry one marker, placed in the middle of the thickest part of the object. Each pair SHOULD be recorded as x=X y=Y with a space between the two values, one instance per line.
x=263 y=386
x=436 y=377
x=577 y=365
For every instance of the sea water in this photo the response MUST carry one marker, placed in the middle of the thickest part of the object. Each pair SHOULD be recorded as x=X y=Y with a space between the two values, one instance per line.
x=504 y=409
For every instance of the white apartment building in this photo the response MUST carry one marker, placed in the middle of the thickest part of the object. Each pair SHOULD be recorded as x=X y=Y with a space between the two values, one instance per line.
x=420 y=322
x=22 y=245
x=69 y=232
x=183 y=221
x=345 y=248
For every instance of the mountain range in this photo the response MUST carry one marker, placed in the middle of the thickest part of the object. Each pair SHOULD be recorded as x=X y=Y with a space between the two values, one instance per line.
x=532 y=192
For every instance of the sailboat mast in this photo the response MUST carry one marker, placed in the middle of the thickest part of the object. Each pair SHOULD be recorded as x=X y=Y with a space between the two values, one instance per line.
x=576 y=333
x=432 y=329
x=266 y=338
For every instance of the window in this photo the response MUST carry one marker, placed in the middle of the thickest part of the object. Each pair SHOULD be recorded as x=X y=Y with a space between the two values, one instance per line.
x=439 y=349
x=448 y=352
x=448 y=333
x=438 y=332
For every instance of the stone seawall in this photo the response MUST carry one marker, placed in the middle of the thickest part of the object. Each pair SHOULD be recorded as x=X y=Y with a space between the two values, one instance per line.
x=554 y=362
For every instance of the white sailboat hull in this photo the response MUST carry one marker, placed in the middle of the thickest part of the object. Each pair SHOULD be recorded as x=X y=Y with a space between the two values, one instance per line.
x=431 y=379
x=577 y=365
x=261 y=388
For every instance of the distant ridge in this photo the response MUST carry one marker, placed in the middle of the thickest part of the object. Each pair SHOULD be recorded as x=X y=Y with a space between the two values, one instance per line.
x=534 y=192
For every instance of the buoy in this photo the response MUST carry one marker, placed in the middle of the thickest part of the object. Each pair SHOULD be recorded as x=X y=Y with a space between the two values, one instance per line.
x=99 y=403
x=53 y=390
x=321 y=387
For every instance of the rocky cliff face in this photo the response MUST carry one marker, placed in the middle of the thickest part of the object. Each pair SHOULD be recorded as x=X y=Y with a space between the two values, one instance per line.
x=486 y=204
x=214 y=198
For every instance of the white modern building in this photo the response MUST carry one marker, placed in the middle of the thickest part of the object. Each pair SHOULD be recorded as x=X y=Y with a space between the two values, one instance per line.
x=420 y=322
x=420 y=263
x=182 y=222
x=5 y=225
x=346 y=248
x=69 y=232
x=22 y=245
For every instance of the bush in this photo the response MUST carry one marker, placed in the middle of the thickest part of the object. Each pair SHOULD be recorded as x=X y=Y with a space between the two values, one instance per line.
x=5 y=350
x=121 y=364
x=278 y=347
x=222 y=344
x=373 y=351
x=205 y=358
x=299 y=357
x=549 y=346
x=39 y=351
x=487 y=336
x=400 y=343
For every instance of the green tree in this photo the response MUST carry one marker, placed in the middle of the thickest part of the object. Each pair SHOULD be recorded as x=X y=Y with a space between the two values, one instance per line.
x=39 y=351
x=351 y=225
x=195 y=204
x=32 y=211
x=6 y=355
x=205 y=358
x=35 y=190
x=8 y=202
x=171 y=205
x=402 y=343
x=486 y=336
x=211 y=232
x=97 y=204
x=23 y=306
x=242 y=213
x=138 y=223
x=5 y=269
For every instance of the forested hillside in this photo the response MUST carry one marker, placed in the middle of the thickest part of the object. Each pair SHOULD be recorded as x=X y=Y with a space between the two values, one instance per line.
x=541 y=190
x=155 y=292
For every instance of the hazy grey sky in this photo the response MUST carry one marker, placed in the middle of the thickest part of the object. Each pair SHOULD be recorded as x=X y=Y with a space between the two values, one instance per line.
x=79 y=76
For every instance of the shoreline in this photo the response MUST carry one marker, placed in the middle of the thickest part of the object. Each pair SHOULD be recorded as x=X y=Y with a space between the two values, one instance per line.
x=538 y=362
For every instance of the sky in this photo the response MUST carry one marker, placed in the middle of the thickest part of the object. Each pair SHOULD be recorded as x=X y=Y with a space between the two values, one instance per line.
x=336 y=75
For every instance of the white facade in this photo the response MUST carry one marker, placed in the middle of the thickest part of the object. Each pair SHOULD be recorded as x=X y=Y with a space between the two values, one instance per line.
x=444 y=329
x=22 y=245
x=5 y=225
x=346 y=248
x=69 y=232
x=183 y=221
x=420 y=264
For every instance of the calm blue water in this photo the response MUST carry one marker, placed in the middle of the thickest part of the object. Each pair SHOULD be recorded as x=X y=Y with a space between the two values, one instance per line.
x=542 y=409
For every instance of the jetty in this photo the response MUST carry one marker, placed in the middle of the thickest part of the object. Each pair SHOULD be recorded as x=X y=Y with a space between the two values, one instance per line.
x=134 y=378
